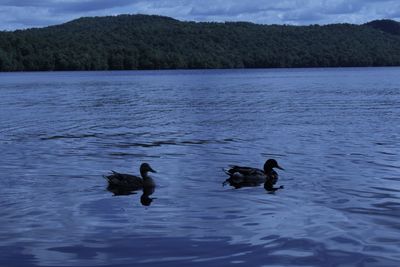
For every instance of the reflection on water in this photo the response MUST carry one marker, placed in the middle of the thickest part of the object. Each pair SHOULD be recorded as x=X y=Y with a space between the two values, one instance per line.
x=145 y=198
x=336 y=132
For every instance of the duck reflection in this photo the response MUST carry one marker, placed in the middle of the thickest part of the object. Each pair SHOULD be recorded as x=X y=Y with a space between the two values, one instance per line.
x=145 y=198
x=122 y=191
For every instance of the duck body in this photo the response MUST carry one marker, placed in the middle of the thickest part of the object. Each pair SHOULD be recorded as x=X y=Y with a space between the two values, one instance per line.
x=124 y=180
x=248 y=176
x=131 y=182
x=240 y=176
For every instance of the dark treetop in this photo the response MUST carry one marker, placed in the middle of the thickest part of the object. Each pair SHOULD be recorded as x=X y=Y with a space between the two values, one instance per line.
x=128 y=42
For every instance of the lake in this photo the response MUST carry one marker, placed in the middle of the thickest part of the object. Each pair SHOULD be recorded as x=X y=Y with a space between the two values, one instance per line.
x=335 y=131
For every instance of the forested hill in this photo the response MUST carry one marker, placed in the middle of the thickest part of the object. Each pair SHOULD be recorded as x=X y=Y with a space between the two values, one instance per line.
x=389 y=26
x=155 y=42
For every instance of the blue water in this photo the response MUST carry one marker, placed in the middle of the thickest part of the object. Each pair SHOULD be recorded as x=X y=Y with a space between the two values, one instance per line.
x=335 y=131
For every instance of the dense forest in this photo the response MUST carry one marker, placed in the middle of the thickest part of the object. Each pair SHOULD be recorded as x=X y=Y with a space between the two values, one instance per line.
x=128 y=42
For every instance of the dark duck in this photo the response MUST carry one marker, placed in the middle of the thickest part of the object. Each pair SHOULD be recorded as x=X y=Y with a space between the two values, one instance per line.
x=127 y=182
x=247 y=176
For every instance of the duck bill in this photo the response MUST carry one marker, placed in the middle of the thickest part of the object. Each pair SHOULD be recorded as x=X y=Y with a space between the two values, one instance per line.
x=151 y=170
x=279 y=167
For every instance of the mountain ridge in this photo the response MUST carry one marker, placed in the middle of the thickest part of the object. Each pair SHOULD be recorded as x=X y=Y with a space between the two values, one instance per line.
x=128 y=42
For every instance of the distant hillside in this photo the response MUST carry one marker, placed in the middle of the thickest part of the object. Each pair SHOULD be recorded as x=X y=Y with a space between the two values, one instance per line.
x=155 y=42
x=386 y=25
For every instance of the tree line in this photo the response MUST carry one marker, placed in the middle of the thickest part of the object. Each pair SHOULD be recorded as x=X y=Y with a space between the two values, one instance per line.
x=130 y=42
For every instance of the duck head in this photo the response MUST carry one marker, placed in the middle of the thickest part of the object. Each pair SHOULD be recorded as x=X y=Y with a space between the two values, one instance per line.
x=145 y=168
x=270 y=164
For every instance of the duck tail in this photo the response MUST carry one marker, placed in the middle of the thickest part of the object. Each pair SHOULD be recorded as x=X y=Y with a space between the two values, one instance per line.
x=107 y=177
x=226 y=171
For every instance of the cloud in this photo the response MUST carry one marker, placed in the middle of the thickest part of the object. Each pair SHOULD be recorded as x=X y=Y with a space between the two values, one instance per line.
x=26 y=3
x=215 y=8
x=33 y=13
x=341 y=7
x=89 y=5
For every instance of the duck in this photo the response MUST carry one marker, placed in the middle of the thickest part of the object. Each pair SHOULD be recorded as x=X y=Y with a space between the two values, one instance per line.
x=132 y=182
x=240 y=176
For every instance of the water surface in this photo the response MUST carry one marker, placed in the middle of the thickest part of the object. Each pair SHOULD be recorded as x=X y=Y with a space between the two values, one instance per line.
x=335 y=131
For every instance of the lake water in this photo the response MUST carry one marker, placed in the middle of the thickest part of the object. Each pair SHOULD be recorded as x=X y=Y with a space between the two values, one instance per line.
x=335 y=131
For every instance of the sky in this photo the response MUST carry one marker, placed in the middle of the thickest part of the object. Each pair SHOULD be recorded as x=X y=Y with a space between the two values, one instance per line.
x=22 y=14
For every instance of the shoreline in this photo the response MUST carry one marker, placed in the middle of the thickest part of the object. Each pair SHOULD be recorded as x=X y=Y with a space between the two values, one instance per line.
x=198 y=69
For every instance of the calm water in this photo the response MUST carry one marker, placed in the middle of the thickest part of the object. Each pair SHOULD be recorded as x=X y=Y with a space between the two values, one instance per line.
x=335 y=131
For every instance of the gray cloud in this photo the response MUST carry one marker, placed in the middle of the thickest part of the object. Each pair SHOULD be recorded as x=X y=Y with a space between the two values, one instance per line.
x=342 y=7
x=26 y=3
x=36 y=13
x=235 y=8
x=68 y=5
x=90 y=5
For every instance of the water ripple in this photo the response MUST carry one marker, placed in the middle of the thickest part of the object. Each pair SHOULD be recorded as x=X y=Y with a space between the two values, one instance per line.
x=335 y=131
